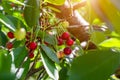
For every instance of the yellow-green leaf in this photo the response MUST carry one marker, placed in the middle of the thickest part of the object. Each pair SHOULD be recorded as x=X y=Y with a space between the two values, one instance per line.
x=111 y=12
x=97 y=37
x=55 y=2
x=112 y=42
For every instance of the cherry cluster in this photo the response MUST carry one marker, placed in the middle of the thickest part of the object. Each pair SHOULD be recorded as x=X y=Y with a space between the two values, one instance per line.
x=63 y=39
x=15 y=35
x=9 y=45
x=66 y=38
x=31 y=45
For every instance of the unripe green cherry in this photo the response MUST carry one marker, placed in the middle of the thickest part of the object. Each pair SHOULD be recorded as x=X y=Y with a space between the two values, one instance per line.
x=65 y=24
x=20 y=34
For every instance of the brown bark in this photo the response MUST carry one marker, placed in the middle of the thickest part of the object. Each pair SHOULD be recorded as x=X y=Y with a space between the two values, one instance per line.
x=79 y=32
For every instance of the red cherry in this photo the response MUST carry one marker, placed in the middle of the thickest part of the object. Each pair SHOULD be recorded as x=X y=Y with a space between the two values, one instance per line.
x=67 y=50
x=65 y=36
x=31 y=55
x=32 y=46
x=69 y=42
x=9 y=45
x=28 y=35
x=10 y=35
x=60 y=41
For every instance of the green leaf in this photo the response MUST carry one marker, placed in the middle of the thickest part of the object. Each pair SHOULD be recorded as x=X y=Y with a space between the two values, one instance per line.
x=3 y=39
x=97 y=37
x=33 y=10
x=19 y=55
x=49 y=66
x=96 y=21
x=114 y=34
x=4 y=20
x=7 y=7
x=5 y=66
x=26 y=69
x=95 y=65
x=16 y=21
x=38 y=64
x=50 y=39
x=20 y=19
x=50 y=53
x=55 y=2
x=5 y=59
x=17 y=43
x=7 y=76
x=112 y=42
x=63 y=76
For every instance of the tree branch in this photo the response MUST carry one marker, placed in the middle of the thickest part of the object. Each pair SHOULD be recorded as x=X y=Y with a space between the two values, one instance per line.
x=33 y=71
x=79 y=5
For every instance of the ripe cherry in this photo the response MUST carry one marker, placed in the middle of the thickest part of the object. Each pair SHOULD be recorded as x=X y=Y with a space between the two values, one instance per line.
x=28 y=35
x=31 y=55
x=32 y=46
x=69 y=42
x=60 y=41
x=67 y=50
x=9 y=45
x=10 y=35
x=65 y=36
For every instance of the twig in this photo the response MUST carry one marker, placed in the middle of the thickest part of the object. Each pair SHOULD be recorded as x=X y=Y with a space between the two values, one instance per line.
x=41 y=75
x=33 y=71
x=79 y=4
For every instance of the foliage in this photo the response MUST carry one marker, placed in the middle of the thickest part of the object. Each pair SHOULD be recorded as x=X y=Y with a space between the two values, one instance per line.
x=37 y=50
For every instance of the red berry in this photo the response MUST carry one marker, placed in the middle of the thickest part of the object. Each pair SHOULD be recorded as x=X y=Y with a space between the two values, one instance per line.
x=9 y=45
x=32 y=46
x=67 y=50
x=10 y=35
x=60 y=41
x=65 y=36
x=28 y=35
x=31 y=55
x=69 y=42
